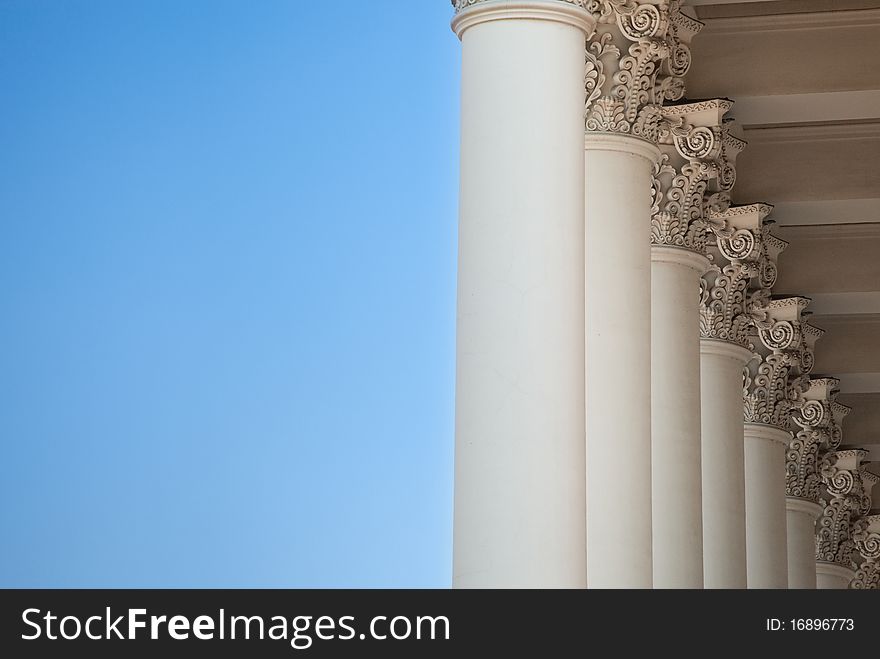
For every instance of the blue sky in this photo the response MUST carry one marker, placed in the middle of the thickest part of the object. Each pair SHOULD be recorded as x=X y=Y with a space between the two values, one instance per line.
x=228 y=291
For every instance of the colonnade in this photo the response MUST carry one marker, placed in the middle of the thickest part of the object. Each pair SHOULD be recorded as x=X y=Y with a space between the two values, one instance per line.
x=633 y=407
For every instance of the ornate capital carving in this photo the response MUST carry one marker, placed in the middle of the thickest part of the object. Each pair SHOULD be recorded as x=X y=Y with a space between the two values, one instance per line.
x=678 y=202
x=635 y=60
x=743 y=255
x=817 y=419
x=779 y=375
x=833 y=540
x=690 y=141
x=842 y=497
x=866 y=537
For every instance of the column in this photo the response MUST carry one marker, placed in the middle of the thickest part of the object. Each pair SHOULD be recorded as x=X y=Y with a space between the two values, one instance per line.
x=738 y=257
x=775 y=378
x=519 y=518
x=818 y=417
x=678 y=259
x=766 y=550
x=628 y=74
x=841 y=499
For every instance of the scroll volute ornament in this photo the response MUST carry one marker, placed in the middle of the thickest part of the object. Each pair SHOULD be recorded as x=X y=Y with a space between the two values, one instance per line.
x=814 y=420
x=841 y=498
x=733 y=287
x=866 y=537
x=779 y=375
x=690 y=141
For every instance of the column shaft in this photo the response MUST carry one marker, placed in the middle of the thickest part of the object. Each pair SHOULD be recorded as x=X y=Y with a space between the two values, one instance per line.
x=675 y=417
x=830 y=576
x=618 y=360
x=801 y=530
x=766 y=550
x=724 y=531
x=519 y=516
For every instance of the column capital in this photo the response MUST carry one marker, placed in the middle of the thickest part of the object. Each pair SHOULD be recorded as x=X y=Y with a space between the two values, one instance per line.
x=473 y=12
x=817 y=418
x=691 y=141
x=866 y=535
x=636 y=59
x=779 y=374
x=743 y=255
x=843 y=499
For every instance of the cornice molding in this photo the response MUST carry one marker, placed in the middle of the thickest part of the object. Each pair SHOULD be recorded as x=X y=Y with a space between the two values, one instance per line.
x=684 y=108
x=744 y=209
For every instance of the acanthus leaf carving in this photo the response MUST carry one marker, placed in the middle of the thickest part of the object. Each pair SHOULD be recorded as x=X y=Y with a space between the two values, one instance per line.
x=677 y=204
x=635 y=60
x=779 y=378
x=845 y=499
x=817 y=418
x=730 y=307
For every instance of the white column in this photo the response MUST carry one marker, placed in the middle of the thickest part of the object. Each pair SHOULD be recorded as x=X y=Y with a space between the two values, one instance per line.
x=738 y=256
x=519 y=453
x=724 y=522
x=766 y=550
x=618 y=361
x=775 y=386
x=678 y=260
x=634 y=61
x=675 y=421
x=800 y=521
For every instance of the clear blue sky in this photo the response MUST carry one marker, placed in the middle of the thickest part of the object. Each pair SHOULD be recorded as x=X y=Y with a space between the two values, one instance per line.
x=228 y=292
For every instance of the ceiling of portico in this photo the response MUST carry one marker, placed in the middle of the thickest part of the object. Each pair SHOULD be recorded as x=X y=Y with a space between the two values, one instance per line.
x=805 y=78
